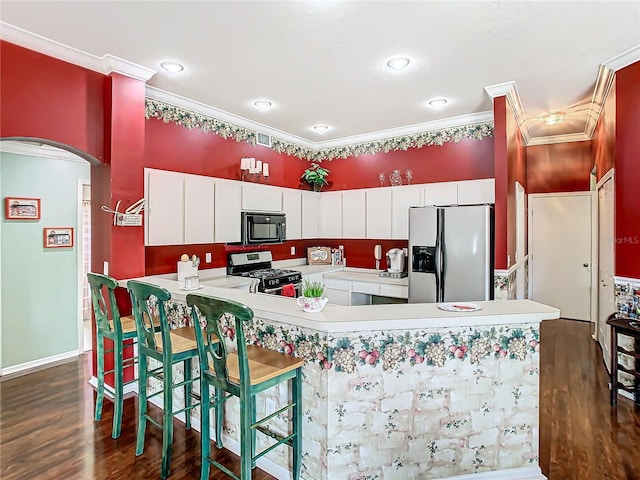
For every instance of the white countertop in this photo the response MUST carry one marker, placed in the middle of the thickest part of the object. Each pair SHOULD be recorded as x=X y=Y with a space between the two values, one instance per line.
x=337 y=318
x=369 y=276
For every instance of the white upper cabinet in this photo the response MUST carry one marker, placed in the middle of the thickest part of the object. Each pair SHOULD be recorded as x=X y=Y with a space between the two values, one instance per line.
x=473 y=192
x=227 y=211
x=310 y=214
x=292 y=208
x=353 y=213
x=261 y=198
x=198 y=209
x=379 y=212
x=164 y=213
x=445 y=193
x=331 y=215
x=402 y=198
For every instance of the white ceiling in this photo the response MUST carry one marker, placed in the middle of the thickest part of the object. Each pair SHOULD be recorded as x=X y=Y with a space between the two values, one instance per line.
x=323 y=61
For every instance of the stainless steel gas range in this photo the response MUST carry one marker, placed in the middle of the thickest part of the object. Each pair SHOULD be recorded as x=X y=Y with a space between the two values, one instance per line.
x=257 y=265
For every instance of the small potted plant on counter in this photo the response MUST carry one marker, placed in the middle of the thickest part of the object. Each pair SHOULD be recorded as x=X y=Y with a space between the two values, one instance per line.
x=312 y=299
x=316 y=176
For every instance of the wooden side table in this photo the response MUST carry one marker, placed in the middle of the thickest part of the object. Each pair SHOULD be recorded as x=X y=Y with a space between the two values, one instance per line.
x=631 y=328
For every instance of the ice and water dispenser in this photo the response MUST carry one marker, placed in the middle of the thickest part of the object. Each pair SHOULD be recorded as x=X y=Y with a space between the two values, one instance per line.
x=423 y=259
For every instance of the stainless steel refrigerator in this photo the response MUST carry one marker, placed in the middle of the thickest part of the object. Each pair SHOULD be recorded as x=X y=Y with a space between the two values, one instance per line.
x=450 y=254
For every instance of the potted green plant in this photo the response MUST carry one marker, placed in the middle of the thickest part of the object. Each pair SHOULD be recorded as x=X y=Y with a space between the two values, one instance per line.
x=316 y=176
x=312 y=299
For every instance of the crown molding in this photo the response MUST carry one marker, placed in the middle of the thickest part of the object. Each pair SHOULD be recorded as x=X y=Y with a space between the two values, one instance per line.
x=38 y=150
x=509 y=90
x=198 y=107
x=104 y=65
x=550 y=139
x=624 y=59
x=461 y=120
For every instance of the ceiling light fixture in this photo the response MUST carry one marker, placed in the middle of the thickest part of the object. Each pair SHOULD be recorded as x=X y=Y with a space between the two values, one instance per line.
x=172 y=67
x=437 y=102
x=321 y=128
x=554 y=118
x=398 y=63
x=262 y=104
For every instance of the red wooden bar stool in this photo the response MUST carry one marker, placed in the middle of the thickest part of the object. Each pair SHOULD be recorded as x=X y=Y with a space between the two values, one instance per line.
x=242 y=374
x=118 y=330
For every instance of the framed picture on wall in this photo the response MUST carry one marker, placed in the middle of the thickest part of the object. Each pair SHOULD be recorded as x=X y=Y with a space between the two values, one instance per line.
x=58 y=237
x=21 y=208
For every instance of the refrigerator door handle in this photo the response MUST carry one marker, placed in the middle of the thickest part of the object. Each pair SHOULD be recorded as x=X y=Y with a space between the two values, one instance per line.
x=439 y=267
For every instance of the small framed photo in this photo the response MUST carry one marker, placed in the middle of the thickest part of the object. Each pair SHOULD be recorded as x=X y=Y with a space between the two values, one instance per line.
x=58 y=237
x=21 y=208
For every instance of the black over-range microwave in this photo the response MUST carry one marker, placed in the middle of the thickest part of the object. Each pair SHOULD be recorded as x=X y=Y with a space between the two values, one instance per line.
x=258 y=228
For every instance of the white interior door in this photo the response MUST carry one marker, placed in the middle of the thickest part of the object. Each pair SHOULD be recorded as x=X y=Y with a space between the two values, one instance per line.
x=560 y=237
x=606 y=289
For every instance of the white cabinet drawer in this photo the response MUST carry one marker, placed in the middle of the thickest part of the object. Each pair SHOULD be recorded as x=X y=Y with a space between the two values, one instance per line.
x=362 y=287
x=338 y=297
x=337 y=284
x=397 y=291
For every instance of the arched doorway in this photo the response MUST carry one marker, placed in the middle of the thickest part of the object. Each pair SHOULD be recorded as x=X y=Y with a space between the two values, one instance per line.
x=40 y=317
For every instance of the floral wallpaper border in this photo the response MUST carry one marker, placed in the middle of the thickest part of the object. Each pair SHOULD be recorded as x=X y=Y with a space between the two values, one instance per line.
x=181 y=116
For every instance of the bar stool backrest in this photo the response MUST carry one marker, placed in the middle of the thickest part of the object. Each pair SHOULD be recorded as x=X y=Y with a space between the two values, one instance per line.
x=102 y=309
x=143 y=295
x=211 y=345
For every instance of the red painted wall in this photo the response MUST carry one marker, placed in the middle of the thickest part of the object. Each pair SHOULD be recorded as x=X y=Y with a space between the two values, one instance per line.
x=516 y=172
x=42 y=97
x=627 y=164
x=465 y=160
x=560 y=167
x=603 y=143
x=501 y=179
x=176 y=148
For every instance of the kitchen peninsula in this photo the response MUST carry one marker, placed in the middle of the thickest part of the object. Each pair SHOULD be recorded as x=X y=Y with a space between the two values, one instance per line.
x=399 y=391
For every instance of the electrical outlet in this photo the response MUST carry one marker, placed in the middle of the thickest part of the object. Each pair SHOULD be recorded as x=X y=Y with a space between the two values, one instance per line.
x=207 y=257
x=293 y=250
x=269 y=406
x=105 y=268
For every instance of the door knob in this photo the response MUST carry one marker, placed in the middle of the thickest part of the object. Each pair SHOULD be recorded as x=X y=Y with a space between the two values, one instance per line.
x=585 y=265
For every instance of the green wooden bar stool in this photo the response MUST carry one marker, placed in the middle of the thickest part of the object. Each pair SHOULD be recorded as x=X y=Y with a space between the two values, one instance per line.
x=168 y=347
x=118 y=330
x=242 y=374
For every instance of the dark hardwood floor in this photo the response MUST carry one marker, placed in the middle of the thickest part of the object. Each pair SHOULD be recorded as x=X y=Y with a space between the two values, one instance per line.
x=47 y=429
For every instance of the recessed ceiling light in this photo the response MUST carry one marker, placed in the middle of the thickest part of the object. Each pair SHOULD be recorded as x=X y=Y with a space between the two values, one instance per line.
x=172 y=67
x=554 y=118
x=437 y=102
x=321 y=128
x=262 y=104
x=398 y=63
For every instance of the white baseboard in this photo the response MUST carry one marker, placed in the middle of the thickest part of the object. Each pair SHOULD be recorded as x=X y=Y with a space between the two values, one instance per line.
x=233 y=446
x=524 y=473
x=34 y=364
x=109 y=392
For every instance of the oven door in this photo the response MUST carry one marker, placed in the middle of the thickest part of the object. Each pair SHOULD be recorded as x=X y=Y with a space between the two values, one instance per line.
x=260 y=228
x=278 y=290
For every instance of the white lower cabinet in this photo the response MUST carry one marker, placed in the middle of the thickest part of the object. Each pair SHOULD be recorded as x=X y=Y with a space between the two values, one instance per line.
x=338 y=291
